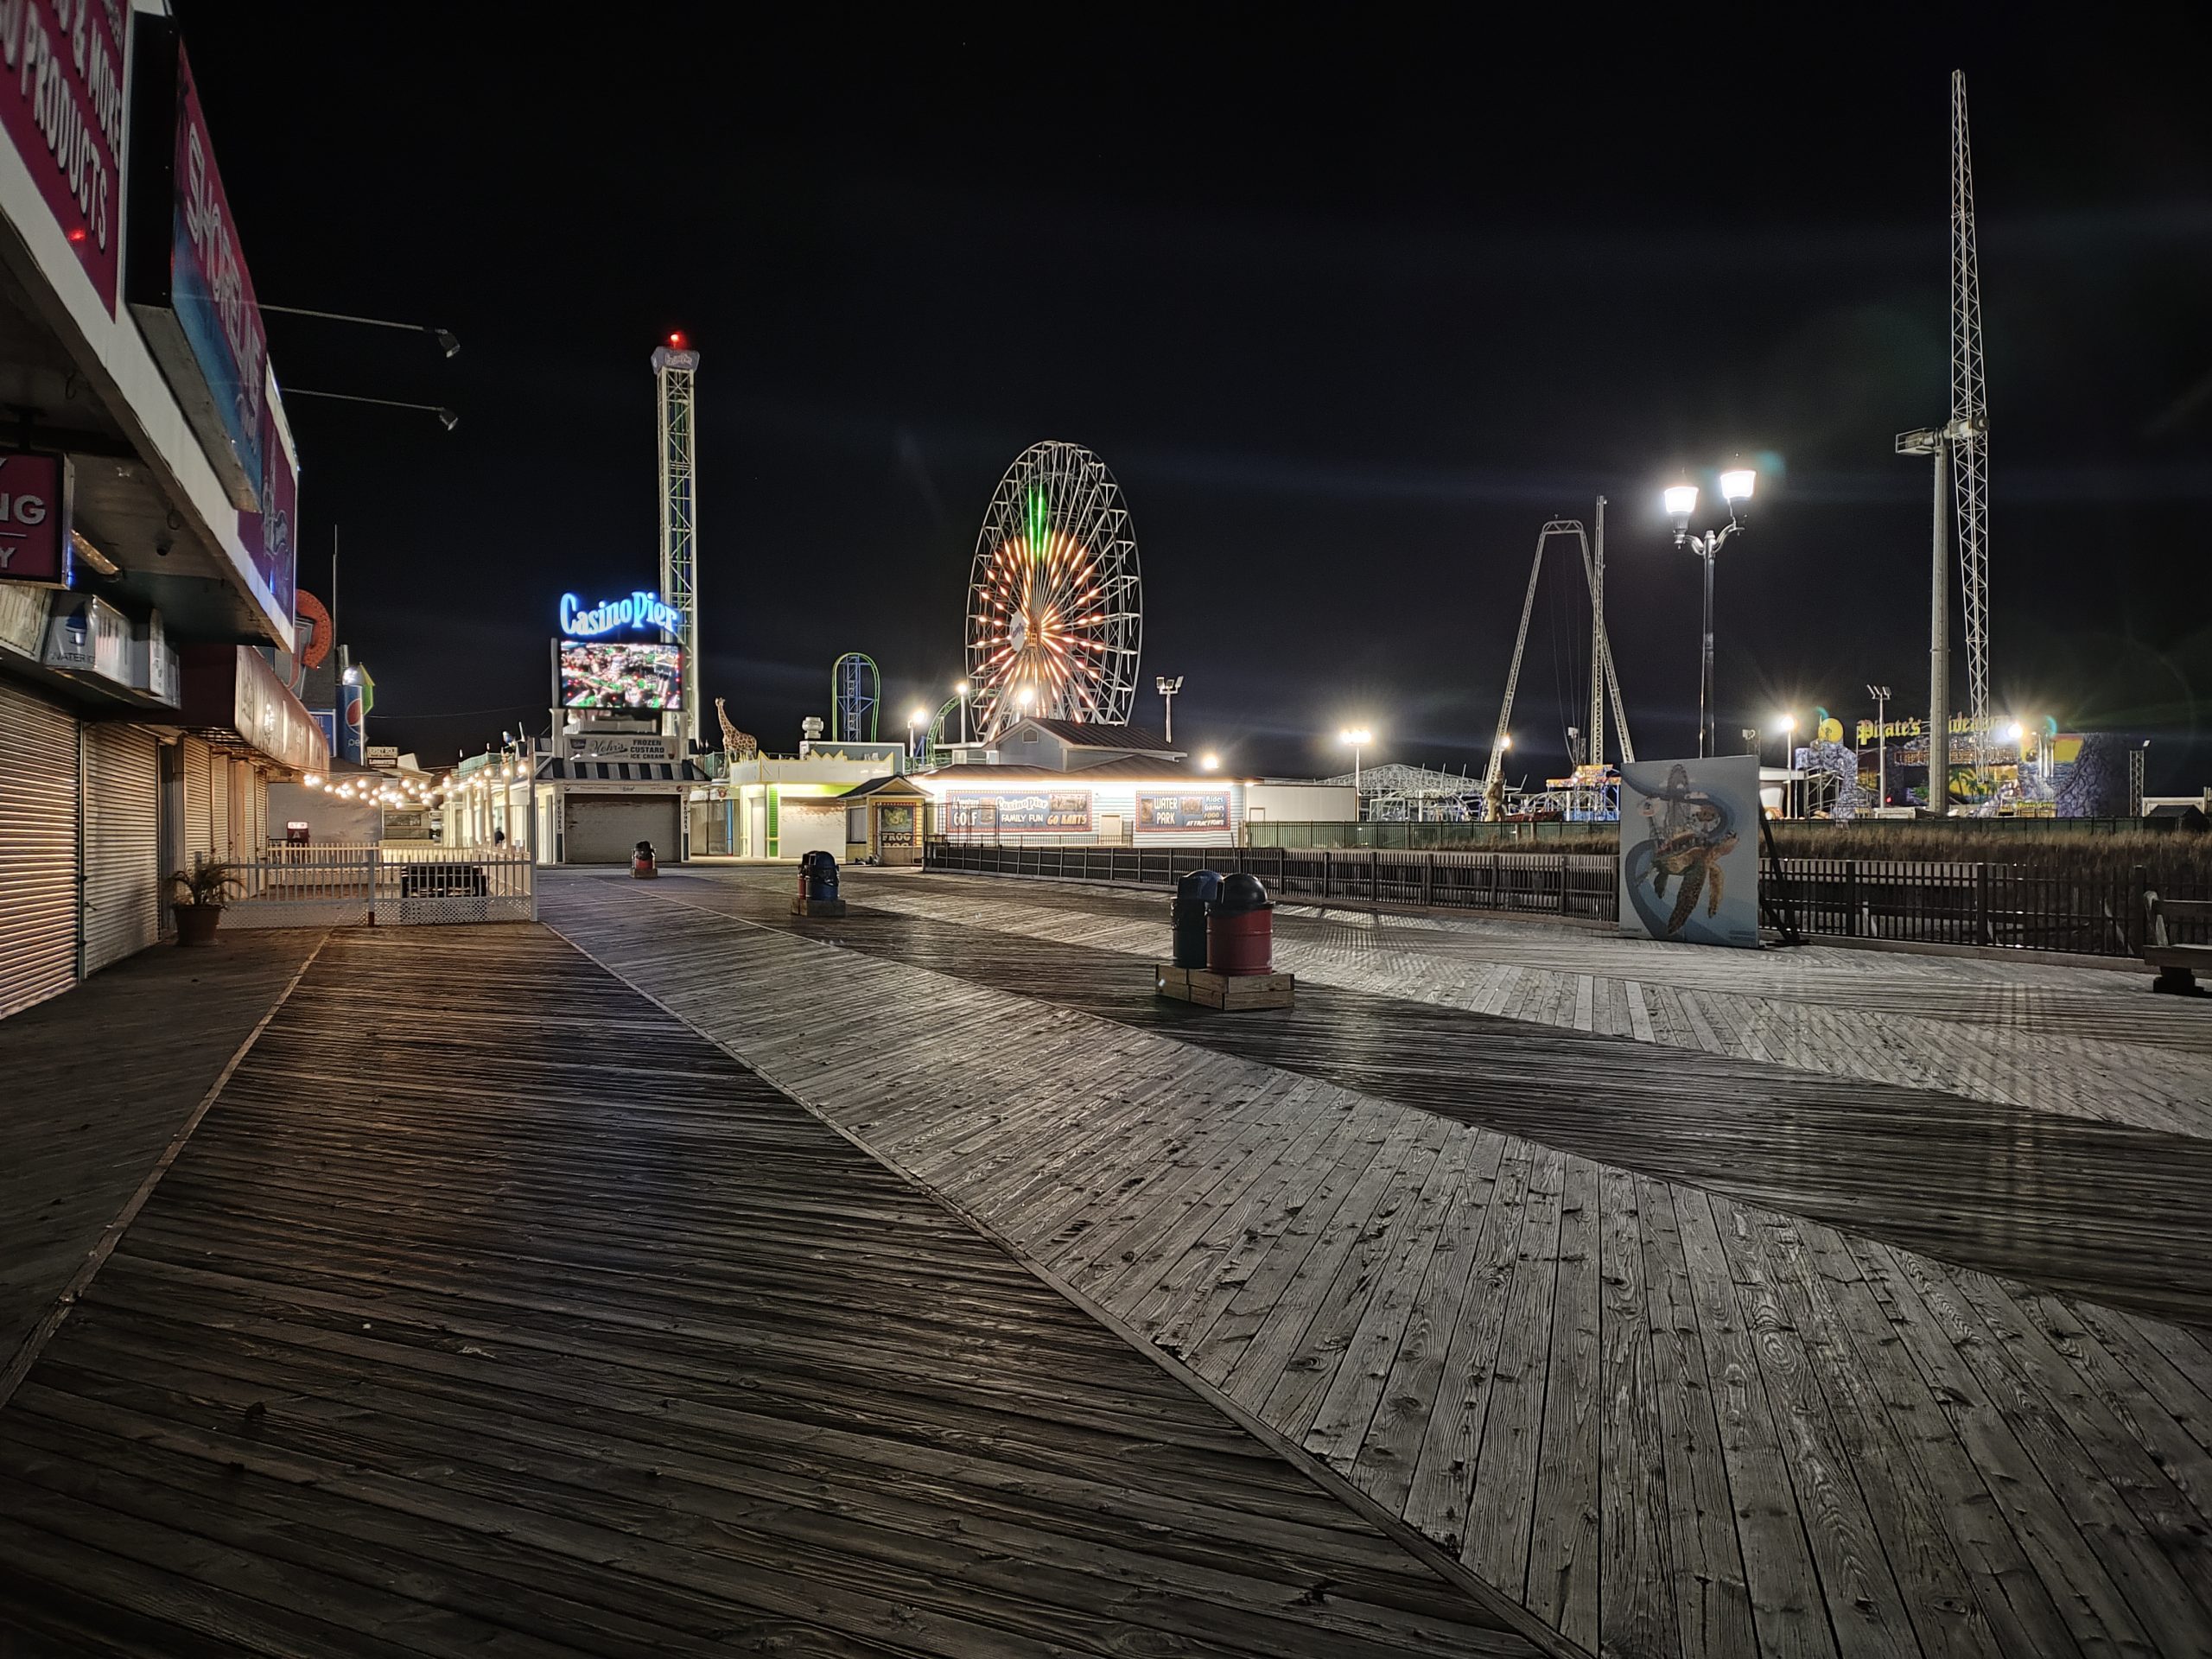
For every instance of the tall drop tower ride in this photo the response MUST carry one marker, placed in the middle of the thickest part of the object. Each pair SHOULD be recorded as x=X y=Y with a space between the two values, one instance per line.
x=675 y=367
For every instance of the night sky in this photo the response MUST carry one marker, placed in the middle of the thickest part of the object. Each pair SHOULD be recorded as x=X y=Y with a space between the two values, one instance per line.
x=1350 y=308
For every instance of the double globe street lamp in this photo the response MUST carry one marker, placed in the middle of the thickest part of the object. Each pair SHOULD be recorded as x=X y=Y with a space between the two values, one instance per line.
x=1682 y=502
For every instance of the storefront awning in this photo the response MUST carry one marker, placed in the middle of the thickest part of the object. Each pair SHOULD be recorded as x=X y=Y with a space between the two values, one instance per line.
x=556 y=770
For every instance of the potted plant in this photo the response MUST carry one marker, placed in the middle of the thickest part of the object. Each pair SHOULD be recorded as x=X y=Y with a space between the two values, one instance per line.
x=197 y=896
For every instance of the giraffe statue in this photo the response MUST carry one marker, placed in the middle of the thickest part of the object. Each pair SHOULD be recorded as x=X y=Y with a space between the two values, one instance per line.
x=736 y=745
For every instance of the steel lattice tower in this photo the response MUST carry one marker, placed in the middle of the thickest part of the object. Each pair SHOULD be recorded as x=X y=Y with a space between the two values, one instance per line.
x=1969 y=429
x=675 y=366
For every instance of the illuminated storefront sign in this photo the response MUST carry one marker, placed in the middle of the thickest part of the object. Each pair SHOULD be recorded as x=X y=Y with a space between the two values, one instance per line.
x=640 y=610
x=1164 y=810
x=1024 y=811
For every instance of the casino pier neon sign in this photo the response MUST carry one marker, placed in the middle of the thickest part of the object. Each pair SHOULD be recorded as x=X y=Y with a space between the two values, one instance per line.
x=640 y=610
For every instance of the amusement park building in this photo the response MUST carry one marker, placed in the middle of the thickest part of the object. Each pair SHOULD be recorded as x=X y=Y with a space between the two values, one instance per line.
x=147 y=489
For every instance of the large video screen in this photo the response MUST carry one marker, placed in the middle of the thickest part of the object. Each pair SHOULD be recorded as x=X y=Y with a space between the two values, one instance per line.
x=614 y=674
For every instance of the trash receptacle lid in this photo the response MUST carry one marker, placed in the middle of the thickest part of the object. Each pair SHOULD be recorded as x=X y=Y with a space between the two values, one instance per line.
x=1201 y=884
x=1241 y=892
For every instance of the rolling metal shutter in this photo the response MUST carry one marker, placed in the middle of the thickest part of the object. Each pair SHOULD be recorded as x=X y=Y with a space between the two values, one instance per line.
x=242 y=782
x=38 y=848
x=607 y=829
x=218 y=803
x=199 y=798
x=122 y=844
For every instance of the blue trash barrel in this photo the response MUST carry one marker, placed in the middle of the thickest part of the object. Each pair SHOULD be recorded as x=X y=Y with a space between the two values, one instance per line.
x=1194 y=891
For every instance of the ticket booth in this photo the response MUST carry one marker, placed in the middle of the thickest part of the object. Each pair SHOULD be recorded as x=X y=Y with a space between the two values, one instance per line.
x=884 y=819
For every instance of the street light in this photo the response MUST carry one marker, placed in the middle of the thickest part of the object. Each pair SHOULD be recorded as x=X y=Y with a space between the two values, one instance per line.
x=447 y=419
x=1736 y=487
x=451 y=346
x=1881 y=695
x=1787 y=726
x=964 y=689
x=1209 y=763
x=1167 y=688
x=1359 y=737
x=915 y=718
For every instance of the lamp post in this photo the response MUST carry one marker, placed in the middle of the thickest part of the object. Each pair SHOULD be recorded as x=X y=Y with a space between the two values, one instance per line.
x=1787 y=725
x=1681 y=501
x=1881 y=695
x=447 y=343
x=447 y=419
x=1359 y=737
x=1167 y=688
x=915 y=718
x=964 y=689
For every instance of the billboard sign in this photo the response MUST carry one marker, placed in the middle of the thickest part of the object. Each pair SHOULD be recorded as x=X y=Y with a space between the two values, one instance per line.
x=1167 y=811
x=651 y=747
x=61 y=106
x=34 y=501
x=639 y=610
x=187 y=280
x=622 y=676
x=1028 y=812
x=270 y=535
x=1689 y=868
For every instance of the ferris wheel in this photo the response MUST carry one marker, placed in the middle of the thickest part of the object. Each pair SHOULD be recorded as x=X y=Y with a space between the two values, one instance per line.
x=1055 y=609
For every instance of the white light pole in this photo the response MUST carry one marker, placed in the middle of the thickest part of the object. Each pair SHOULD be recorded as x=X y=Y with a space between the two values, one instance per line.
x=1167 y=688
x=1359 y=737
x=964 y=689
x=1881 y=695
x=915 y=720
x=1736 y=487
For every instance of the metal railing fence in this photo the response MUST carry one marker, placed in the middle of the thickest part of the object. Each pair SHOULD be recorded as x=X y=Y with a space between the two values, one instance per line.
x=380 y=884
x=2014 y=905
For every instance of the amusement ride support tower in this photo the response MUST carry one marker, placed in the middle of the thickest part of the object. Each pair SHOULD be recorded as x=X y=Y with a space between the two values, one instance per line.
x=674 y=364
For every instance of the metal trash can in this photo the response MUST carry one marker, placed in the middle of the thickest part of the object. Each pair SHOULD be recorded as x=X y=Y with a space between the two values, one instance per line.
x=1240 y=928
x=817 y=877
x=1194 y=891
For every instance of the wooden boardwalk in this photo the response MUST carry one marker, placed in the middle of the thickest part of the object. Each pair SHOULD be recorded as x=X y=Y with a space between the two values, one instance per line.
x=81 y=1125
x=2070 y=1203
x=2083 y=1042
x=1665 y=1418
x=488 y=1311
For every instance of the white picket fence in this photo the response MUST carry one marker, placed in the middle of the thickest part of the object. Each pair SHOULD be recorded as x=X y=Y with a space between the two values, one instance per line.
x=394 y=884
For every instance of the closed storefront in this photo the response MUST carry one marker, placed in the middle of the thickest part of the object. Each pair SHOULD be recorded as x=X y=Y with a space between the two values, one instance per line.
x=219 y=797
x=607 y=829
x=199 y=797
x=38 y=848
x=245 y=788
x=122 y=844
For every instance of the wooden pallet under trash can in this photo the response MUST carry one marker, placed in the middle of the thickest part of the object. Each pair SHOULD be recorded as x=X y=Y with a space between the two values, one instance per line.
x=1225 y=991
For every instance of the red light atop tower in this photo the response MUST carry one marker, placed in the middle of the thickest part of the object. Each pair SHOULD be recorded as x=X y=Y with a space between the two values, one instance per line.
x=678 y=339
x=77 y=234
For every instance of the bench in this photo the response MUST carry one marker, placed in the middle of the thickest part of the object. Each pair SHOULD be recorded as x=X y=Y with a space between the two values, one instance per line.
x=2176 y=963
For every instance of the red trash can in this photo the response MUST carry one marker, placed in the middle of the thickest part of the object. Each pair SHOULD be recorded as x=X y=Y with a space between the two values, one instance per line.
x=1240 y=929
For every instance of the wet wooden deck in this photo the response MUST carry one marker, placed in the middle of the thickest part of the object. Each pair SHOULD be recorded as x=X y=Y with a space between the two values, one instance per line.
x=489 y=1311
x=1796 y=1367
x=82 y=1123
